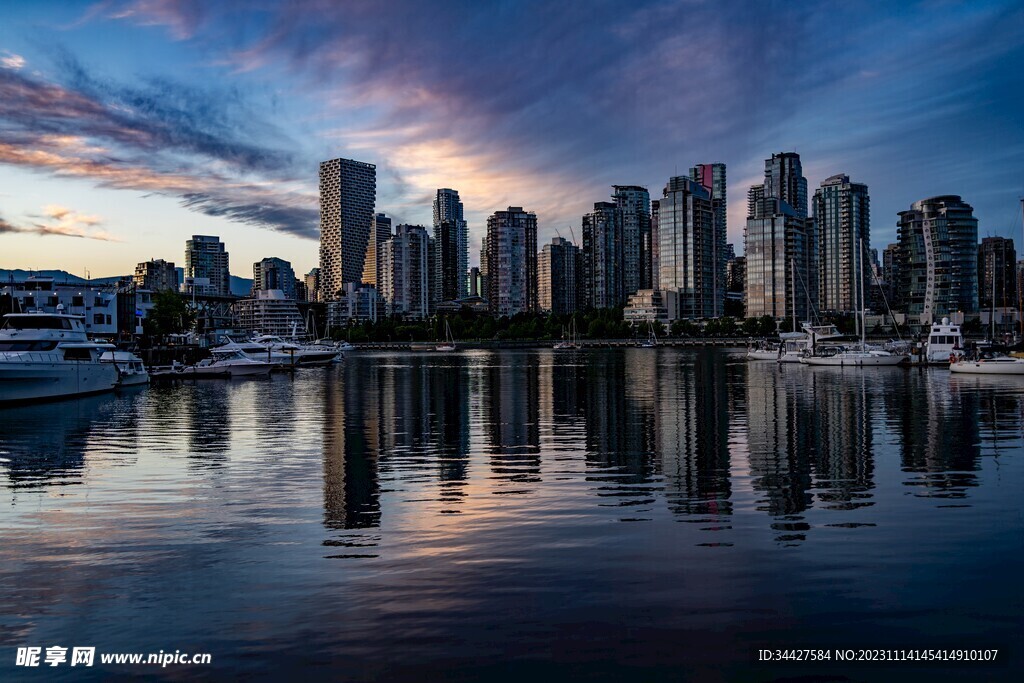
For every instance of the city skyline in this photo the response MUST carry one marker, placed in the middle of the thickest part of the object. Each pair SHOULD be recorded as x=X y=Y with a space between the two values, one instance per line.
x=137 y=124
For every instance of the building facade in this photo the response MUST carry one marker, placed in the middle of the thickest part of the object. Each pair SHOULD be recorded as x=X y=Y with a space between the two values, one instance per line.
x=206 y=267
x=380 y=232
x=451 y=234
x=274 y=273
x=997 y=274
x=270 y=311
x=348 y=192
x=312 y=279
x=634 y=205
x=842 y=219
x=689 y=253
x=603 y=257
x=357 y=303
x=156 y=275
x=712 y=178
x=938 y=258
x=510 y=254
x=407 y=272
x=556 y=277
x=779 y=244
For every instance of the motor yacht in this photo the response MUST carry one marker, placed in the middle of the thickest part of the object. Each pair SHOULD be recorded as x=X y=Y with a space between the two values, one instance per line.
x=225 y=363
x=48 y=356
x=796 y=345
x=130 y=369
x=299 y=354
x=945 y=343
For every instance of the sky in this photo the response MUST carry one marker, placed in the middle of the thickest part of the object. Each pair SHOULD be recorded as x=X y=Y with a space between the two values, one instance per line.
x=126 y=126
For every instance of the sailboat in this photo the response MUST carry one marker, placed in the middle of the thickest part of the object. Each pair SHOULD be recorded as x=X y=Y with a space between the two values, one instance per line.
x=449 y=341
x=571 y=342
x=860 y=355
x=651 y=341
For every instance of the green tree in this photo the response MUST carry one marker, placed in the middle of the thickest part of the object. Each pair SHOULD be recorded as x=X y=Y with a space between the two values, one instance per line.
x=171 y=314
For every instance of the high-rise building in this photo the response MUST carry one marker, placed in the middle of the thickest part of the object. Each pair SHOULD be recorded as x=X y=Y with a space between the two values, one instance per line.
x=407 y=272
x=634 y=205
x=689 y=262
x=476 y=283
x=603 y=282
x=273 y=273
x=556 y=277
x=842 y=219
x=348 y=191
x=380 y=231
x=891 y=276
x=206 y=263
x=779 y=243
x=451 y=234
x=997 y=272
x=511 y=262
x=938 y=258
x=269 y=311
x=736 y=274
x=712 y=178
x=313 y=284
x=156 y=275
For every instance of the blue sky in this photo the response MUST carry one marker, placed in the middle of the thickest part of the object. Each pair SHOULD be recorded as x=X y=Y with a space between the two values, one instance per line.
x=127 y=126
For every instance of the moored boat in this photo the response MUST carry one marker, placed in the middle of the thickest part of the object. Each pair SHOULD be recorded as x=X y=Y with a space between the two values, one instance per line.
x=130 y=369
x=49 y=356
x=989 y=364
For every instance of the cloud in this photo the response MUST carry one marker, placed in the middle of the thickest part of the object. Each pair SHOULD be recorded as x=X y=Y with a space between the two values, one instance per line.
x=61 y=221
x=160 y=137
x=9 y=60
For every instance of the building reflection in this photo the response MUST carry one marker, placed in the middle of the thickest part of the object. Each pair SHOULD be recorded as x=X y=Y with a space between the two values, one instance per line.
x=448 y=425
x=511 y=410
x=692 y=431
x=208 y=410
x=352 y=403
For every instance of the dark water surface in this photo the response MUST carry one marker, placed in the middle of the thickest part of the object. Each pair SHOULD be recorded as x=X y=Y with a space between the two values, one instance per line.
x=603 y=515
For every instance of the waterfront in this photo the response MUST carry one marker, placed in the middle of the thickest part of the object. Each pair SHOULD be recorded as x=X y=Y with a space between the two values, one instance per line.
x=606 y=514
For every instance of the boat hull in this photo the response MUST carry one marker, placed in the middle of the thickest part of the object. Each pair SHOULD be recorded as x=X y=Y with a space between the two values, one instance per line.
x=988 y=368
x=37 y=381
x=763 y=355
x=855 y=362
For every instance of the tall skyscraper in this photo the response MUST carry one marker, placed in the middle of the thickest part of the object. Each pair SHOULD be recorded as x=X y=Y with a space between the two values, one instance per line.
x=348 y=191
x=156 y=275
x=634 y=205
x=451 y=235
x=313 y=284
x=712 y=178
x=689 y=262
x=891 y=276
x=938 y=258
x=207 y=261
x=779 y=243
x=380 y=232
x=842 y=219
x=603 y=259
x=997 y=272
x=407 y=271
x=273 y=273
x=556 y=277
x=511 y=257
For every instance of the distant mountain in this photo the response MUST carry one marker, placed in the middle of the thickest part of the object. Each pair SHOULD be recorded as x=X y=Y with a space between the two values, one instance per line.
x=57 y=275
x=240 y=286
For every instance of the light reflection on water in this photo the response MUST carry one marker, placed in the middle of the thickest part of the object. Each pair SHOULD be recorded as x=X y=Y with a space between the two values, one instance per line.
x=596 y=515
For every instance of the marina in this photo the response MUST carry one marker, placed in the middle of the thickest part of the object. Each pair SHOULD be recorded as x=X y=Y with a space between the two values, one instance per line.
x=543 y=505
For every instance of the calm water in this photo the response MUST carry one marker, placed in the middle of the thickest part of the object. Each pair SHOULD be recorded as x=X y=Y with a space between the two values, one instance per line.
x=650 y=514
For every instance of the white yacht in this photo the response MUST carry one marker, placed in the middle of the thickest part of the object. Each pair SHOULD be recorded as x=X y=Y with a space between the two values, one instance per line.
x=299 y=354
x=763 y=349
x=988 y=363
x=259 y=352
x=130 y=370
x=856 y=356
x=945 y=343
x=226 y=363
x=796 y=345
x=48 y=355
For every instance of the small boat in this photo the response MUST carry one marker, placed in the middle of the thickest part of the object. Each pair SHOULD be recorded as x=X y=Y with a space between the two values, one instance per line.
x=49 y=356
x=448 y=344
x=796 y=345
x=571 y=343
x=762 y=349
x=130 y=370
x=988 y=363
x=225 y=363
x=652 y=340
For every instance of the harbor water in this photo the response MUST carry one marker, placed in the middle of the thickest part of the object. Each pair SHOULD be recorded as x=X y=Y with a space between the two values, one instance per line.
x=621 y=514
